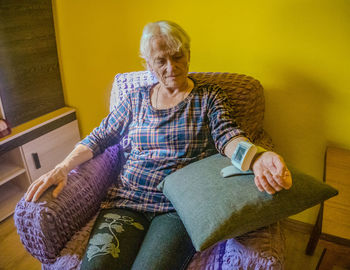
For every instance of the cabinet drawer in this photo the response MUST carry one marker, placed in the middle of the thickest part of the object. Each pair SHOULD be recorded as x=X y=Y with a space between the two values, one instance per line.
x=45 y=152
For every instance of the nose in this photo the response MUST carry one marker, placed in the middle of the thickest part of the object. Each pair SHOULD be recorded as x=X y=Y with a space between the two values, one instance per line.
x=170 y=66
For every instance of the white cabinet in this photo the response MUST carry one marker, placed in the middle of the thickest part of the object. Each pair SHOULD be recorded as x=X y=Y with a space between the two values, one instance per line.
x=26 y=162
x=13 y=181
x=44 y=153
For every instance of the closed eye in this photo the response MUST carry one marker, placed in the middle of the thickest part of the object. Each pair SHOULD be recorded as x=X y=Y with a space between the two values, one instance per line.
x=178 y=56
x=160 y=61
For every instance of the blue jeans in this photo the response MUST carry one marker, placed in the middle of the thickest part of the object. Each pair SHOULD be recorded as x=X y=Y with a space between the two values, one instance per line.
x=127 y=239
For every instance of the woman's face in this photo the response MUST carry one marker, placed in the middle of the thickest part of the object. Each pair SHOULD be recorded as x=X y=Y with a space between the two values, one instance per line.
x=170 y=68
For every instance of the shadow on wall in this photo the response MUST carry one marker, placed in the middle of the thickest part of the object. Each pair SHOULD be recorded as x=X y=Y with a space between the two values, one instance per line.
x=296 y=109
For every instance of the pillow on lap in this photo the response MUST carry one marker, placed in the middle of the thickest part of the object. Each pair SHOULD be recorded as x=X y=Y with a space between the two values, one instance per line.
x=214 y=208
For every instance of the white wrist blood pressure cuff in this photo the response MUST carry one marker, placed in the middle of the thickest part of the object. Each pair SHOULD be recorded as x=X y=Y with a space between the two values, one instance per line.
x=242 y=158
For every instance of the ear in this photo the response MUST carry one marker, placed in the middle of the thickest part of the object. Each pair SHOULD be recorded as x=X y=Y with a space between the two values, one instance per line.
x=149 y=66
x=189 y=56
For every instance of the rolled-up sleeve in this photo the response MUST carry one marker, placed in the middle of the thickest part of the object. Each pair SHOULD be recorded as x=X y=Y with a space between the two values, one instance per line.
x=222 y=126
x=112 y=128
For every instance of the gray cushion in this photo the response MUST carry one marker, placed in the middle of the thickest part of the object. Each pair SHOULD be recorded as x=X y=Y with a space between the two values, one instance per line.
x=214 y=208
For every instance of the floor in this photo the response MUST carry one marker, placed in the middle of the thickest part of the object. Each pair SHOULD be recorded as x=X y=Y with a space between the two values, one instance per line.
x=13 y=256
x=296 y=258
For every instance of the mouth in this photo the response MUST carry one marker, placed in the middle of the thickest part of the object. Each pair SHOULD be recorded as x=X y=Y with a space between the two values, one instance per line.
x=173 y=76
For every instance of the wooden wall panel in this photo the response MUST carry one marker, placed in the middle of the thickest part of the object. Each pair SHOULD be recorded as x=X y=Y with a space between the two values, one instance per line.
x=30 y=83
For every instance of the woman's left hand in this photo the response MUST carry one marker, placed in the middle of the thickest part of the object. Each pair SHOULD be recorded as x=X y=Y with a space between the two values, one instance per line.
x=271 y=173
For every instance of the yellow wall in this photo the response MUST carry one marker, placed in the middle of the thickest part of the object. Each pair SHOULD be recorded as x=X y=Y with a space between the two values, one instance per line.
x=298 y=49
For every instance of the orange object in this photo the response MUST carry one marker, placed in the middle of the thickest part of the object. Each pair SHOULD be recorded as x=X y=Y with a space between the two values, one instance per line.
x=4 y=131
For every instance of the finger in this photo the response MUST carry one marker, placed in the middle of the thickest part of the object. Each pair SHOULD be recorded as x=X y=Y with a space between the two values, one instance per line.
x=28 y=194
x=279 y=165
x=40 y=191
x=284 y=180
x=264 y=182
x=287 y=180
x=32 y=189
x=31 y=186
x=257 y=183
x=279 y=180
x=58 y=189
x=272 y=181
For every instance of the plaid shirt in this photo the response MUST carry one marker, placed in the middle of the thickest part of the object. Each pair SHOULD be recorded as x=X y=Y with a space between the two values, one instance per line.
x=162 y=141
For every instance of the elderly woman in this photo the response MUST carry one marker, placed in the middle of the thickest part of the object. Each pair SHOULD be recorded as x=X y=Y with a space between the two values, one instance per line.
x=171 y=124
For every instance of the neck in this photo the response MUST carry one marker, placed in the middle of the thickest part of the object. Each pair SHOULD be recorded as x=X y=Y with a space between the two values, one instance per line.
x=164 y=97
x=171 y=91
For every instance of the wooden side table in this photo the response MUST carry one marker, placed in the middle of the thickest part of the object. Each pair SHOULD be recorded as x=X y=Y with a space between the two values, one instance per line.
x=332 y=228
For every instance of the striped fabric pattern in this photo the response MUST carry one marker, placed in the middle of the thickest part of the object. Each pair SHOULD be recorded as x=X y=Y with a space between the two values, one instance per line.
x=162 y=141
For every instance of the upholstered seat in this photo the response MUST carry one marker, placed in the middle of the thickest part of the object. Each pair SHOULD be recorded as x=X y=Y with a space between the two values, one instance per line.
x=56 y=230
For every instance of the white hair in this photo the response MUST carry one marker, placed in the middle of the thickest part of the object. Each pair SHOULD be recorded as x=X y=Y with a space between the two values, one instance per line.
x=175 y=37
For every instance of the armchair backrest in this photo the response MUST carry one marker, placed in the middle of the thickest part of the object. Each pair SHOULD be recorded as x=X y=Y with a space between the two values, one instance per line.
x=245 y=95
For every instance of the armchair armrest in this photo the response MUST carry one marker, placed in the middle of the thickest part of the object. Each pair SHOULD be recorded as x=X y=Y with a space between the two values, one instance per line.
x=45 y=226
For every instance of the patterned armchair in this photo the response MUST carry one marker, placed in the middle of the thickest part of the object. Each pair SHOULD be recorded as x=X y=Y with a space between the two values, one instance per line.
x=56 y=230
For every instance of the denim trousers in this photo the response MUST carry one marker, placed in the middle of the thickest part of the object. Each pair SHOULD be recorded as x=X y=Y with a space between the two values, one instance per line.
x=126 y=239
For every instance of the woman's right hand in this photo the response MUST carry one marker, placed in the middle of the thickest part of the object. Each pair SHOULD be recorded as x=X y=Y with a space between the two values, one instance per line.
x=57 y=176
